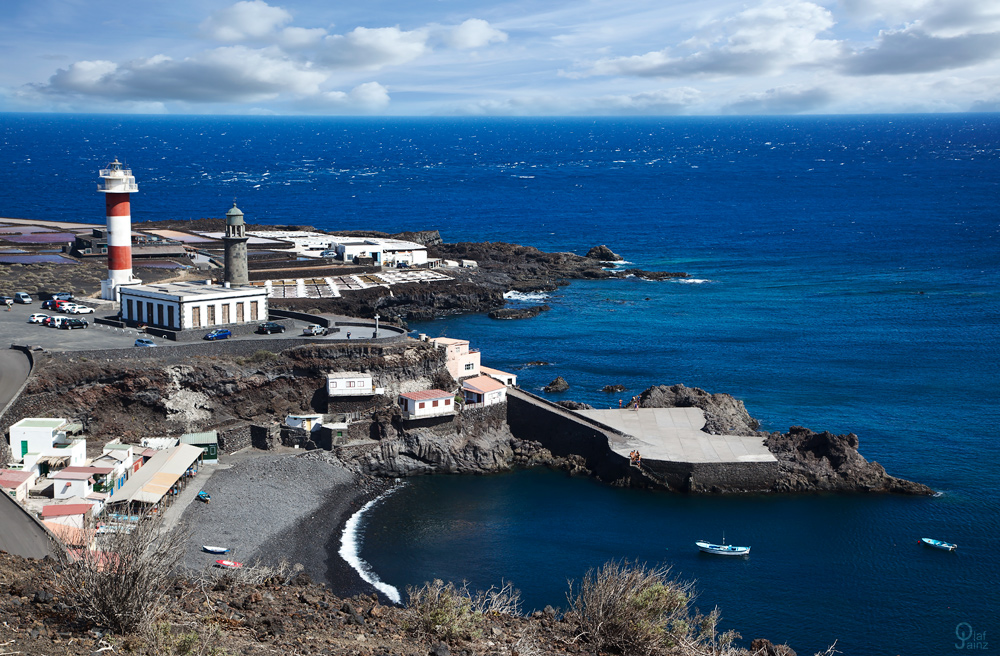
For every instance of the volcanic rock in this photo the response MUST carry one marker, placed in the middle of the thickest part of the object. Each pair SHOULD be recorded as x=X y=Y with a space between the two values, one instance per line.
x=613 y=388
x=557 y=385
x=604 y=254
x=519 y=313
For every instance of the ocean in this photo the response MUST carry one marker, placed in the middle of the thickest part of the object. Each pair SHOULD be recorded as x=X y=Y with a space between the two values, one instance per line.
x=844 y=277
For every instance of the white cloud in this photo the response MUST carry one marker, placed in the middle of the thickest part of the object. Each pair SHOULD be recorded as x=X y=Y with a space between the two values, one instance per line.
x=368 y=97
x=228 y=74
x=914 y=51
x=783 y=100
x=761 y=40
x=473 y=33
x=245 y=20
x=374 y=48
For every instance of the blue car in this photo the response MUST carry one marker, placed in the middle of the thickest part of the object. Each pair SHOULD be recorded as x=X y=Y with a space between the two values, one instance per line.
x=219 y=333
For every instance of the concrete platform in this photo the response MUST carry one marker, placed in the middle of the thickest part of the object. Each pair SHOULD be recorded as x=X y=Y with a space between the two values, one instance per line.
x=676 y=435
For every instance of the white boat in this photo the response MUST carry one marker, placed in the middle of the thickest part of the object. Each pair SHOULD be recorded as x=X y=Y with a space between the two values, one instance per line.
x=216 y=550
x=939 y=544
x=722 y=549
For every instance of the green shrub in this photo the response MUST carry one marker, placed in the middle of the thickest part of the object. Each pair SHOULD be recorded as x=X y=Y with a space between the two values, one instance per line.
x=449 y=612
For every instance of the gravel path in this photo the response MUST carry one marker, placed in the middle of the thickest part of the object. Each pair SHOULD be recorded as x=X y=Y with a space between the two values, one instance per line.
x=273 y=507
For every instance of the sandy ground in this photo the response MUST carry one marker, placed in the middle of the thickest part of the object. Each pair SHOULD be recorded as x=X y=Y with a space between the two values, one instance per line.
x=273 y=507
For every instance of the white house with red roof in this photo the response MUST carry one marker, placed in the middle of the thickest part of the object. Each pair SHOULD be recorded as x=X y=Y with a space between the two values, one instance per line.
x=69 y=514
x=427 y=403
x=17 y=482
x=508 y=379
x=462 y=361
x=66 y=485
x=483 y=390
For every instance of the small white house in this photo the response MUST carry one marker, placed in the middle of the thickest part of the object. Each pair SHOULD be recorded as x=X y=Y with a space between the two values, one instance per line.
x=16 y=482
x=69 y=484
x=508 y=379
x=351 y=383
x=483 y=390
x=42 y=443
x=427 y=403
x=305 y=422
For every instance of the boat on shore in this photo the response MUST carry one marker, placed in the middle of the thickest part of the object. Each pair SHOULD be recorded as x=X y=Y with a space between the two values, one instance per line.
x=939 y=544
x=722 y=549
x=228 y=564
x=215 y=550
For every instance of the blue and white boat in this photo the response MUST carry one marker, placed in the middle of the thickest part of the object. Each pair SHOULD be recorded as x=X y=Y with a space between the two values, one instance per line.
x=215 y=550
x=722 y=549
x=939 y=544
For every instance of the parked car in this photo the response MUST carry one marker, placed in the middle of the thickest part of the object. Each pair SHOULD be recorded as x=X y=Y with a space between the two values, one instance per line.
x=269 y=327
x=38 y=317
x=329 y=253
x=6 y=300
x=62 y=296
x=49 y=304
x=219 y=333
x=61 y=306
x=315 y=329
x=54 y=322
x=71 y=323
x=22 y=297
x=145 y=342
x=80 y=309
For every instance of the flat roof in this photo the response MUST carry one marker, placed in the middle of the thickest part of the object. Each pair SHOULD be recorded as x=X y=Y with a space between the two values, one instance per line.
x=38 y=422
x=71 y=476
x=149 y=484
x=491 y=370
x=14 y=477
x=448 y=340
x=483 y=384
x=427 y=395
x=192 y=291
x=205 y=437
x=348 y=374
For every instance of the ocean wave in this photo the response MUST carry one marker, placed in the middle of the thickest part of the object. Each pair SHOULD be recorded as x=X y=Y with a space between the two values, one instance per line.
x=691 y=281
x=350 y=546
x=525 y=296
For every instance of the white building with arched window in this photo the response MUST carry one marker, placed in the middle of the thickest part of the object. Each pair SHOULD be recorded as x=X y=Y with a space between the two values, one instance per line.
x=192 y=305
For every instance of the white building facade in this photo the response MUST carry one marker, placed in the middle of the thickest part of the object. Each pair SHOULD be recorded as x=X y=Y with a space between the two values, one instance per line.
x=483 y=390
x=427 y=403
x=192 y=306
x=462 y=361
x=37 y=441
x=351 y=383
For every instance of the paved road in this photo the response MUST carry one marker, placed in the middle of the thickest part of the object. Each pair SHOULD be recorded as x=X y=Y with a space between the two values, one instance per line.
x=21 y=534
x=15 y=329
x=14 y=368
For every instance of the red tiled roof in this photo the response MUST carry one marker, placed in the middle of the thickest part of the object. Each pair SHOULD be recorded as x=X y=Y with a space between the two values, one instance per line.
x=427 y=395
x=65 y=509
x=90 y=470
x=13 y=477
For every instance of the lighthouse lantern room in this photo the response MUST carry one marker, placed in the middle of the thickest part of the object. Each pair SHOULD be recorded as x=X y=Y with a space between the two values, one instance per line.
x=116 y=184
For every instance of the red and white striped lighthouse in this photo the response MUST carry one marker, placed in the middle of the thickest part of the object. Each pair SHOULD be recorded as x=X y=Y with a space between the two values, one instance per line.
x=117 y=183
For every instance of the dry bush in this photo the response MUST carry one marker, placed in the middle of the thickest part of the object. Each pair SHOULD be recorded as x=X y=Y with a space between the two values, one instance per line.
x=630 y=608
x=123 y=583
x=450 y=612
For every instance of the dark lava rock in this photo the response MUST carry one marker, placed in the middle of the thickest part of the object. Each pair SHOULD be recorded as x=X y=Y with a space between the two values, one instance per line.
x=558 y=385
x=613 y=388
x=649 y=275
x=824 y=461
x=574 y=405
x=536 y=363
x=519 y=313
x=724 y=414
x=604 y=254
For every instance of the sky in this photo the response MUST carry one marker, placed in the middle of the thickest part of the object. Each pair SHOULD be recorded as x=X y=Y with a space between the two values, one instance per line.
x=500 y=58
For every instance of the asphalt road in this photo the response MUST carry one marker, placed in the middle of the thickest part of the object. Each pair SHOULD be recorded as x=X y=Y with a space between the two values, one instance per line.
x=15 y=329
x=21 y=534
x=14 y=368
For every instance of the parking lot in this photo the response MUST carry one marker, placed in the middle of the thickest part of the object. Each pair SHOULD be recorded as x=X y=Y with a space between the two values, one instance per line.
x=15 y=329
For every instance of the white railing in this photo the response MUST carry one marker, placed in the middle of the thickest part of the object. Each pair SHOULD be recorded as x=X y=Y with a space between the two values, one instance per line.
x=123 y=187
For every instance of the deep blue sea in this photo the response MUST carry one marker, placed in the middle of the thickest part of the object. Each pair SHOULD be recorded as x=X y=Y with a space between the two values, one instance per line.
x=845 y=277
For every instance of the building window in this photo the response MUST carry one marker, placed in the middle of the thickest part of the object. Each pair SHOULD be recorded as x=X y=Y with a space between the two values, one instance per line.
x=333 y=385
x=469 y=366
x=239 y=313
x=211 y=315
x=350 y=383
x=130 y=310
x=159 y=313
x=435 y=404
x=422 y=405
x=196 y=317
x=225 y=313
x=253 y=311
x=170 y=316
x=447 y=401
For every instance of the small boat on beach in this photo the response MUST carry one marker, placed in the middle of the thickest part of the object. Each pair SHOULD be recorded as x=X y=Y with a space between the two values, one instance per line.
x=204 y=496
x=722 y=549
x=228 y=564
x=939 y=544
x=215 y=550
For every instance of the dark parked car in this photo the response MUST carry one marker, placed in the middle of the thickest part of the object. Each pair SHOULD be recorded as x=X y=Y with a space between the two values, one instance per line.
x=70 y=324
x=270 y=327
x=62 y=296
x=219 y=333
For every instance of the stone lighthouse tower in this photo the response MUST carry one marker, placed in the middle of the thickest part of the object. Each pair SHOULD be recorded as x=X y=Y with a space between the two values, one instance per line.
x=236 y=248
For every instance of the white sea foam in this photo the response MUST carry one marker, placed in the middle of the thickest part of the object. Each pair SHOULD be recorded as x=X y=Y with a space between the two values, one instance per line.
x=350 y=547
x=525 y=296
x=691 y=281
